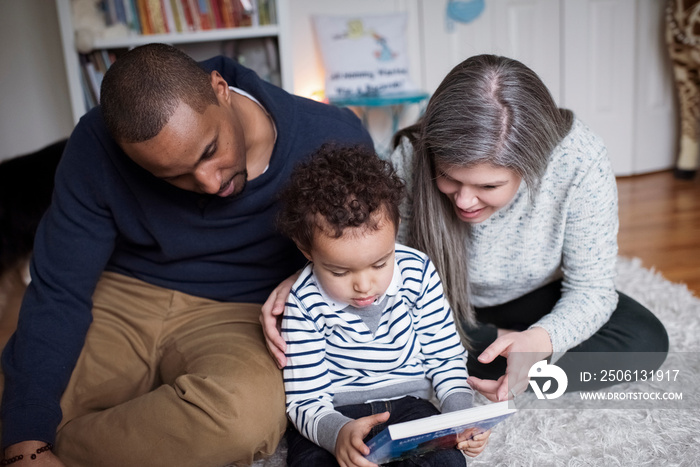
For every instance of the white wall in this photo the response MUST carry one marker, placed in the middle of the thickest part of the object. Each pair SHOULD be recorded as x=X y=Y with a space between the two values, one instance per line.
x=308 y=73
x=34 y=104
x=604 y=59
x=35 y=109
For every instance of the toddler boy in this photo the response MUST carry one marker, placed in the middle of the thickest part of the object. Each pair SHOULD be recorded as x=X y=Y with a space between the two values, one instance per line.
x=370 y=335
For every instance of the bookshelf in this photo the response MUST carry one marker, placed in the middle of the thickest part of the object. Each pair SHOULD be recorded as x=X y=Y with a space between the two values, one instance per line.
x=200 y=44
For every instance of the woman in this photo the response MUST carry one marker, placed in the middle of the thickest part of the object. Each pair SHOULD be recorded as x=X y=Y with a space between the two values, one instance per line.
x=515 y=202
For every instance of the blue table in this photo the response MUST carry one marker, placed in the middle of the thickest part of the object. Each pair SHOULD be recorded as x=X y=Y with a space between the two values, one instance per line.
x=396 y=104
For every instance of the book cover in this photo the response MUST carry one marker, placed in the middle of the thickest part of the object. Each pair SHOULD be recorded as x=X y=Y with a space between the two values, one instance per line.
x=178 y=16
x=218 y=20
x=443 y=431
x=196 y=16
x=204 y=12
x=187 y=15
x=168 y=16
x=133 y=16
x=157 y=16
x=146 y=26
x=227 y=13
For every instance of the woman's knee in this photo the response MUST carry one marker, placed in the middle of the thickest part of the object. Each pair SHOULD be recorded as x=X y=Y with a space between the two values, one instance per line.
x=647 y=332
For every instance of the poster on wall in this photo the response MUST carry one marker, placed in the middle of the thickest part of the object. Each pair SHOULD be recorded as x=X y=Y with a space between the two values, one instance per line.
x=364 y=55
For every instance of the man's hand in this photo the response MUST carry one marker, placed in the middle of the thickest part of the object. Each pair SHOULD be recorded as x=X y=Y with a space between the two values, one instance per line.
x=350 y=449
x=26 y=449
x=271 y=319
x=522 y=350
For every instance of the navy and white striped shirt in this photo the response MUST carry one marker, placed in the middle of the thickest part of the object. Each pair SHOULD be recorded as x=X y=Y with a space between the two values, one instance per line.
x=333 y=358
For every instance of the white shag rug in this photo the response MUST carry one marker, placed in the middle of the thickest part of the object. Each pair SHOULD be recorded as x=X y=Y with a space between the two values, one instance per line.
x=607 y=437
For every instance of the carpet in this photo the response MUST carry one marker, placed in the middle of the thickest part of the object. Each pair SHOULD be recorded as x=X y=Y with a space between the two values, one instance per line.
x=564 y=436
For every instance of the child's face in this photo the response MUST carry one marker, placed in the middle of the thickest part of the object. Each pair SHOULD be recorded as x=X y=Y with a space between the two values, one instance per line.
x=356 y=268
x=479 y=191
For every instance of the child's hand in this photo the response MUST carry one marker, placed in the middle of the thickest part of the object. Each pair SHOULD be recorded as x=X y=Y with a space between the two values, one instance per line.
x=474 y=446
x=350 y=449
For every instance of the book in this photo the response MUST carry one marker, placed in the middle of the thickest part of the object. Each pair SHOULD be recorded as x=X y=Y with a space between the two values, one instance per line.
x=443 y=431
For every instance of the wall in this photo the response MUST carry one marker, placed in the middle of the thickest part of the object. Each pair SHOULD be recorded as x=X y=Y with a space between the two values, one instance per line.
x=35 y=110
x=34 y=105
x=604 y=59
x=308 y=73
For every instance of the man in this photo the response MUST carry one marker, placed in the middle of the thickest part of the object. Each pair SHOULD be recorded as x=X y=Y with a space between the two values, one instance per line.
x=150 y=266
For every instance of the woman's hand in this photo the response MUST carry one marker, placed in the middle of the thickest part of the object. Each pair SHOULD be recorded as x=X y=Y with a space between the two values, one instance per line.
x=350 y=449
x=271 y=318
x=521 y=350
x=474 y=446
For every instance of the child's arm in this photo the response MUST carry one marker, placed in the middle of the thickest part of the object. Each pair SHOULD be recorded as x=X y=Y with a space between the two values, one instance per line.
x=307 y=378
x=306 y=375
x=445 y=358
x=350 y=449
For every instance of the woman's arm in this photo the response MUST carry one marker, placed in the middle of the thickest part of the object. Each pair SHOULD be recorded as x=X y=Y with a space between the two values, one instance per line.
x=271 y=319
x=588 y=208
x=589 y=256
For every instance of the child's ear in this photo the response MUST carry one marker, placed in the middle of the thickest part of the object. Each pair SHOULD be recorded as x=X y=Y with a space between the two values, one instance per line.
x=306 y=254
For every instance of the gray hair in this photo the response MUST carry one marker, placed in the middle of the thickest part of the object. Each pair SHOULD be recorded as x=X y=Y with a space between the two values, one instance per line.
x=487 y=110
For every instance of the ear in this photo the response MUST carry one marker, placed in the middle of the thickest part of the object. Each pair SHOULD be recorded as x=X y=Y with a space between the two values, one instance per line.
x=306 y=254
x=219 y=84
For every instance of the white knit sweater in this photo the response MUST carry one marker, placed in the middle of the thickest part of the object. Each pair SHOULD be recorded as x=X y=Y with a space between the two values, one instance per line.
x=568 y=231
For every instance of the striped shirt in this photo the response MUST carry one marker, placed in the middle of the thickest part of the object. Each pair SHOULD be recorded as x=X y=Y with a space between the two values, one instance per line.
x=334 y=359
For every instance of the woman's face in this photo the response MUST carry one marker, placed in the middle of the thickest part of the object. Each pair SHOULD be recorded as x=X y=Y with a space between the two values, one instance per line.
x=479 y=191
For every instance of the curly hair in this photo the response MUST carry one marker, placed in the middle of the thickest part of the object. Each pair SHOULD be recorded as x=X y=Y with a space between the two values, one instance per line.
x=337 y=188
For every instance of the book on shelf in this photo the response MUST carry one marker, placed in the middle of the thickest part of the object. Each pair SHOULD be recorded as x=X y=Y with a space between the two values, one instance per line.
x=177 y=16
x=93 y=66
x=443 y=431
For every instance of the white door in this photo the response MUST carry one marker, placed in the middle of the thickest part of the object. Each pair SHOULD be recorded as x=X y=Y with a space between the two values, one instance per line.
x=655 y=109
x=526 y=30
x=599 y=72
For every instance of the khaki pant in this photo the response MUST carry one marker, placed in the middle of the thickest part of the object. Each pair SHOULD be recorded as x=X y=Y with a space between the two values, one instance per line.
x=168 y=379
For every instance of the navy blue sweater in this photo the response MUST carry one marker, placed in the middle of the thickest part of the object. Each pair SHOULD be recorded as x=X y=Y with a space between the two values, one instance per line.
x=108 y=213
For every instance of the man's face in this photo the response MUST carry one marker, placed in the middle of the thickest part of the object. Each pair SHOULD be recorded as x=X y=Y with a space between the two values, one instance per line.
x=204 y=153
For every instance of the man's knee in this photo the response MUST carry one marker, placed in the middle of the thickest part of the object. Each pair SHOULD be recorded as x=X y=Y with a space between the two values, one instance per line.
x=245 y=420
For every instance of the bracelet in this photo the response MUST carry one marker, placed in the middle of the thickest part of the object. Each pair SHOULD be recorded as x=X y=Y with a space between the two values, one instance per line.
x=12 y=460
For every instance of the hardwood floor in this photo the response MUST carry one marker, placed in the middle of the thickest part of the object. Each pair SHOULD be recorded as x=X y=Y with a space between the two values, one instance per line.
x=660 y=224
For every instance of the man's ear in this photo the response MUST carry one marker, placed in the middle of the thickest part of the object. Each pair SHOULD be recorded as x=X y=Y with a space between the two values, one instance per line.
x=219 y=84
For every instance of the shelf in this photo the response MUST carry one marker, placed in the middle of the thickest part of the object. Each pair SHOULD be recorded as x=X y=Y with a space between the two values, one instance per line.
x=202 y=40
x=211 y=35
x=384 y=100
